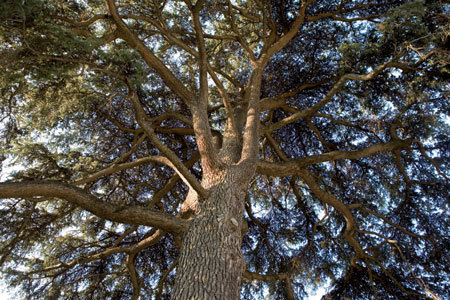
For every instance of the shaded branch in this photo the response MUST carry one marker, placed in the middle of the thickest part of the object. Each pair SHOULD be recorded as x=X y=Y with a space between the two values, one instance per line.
x=264 y=277
x=96 y=256
x=93 y=66
x=279 y=101
x=239 y=37
x=330 y=199
x=163 y=278
x=435 y=165
x=334 y=14
x=116 y=168
x=386 y=220
x=286 y=38
x=133 y=276
x=334 y=90
x=293 y=167
x=127 y=215
x=133 y=40
x=172 y=160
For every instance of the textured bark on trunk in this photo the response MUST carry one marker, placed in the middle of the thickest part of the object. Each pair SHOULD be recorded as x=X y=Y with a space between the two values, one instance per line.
x=211 y=263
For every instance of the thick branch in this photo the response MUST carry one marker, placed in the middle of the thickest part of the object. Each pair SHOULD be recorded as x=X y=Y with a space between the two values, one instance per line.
x=250 y=141
x=293 y=167
x=83 y=199
x=199 y=111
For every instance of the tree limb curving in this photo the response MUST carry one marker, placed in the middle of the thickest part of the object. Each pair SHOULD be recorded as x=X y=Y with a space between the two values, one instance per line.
x=127 y=215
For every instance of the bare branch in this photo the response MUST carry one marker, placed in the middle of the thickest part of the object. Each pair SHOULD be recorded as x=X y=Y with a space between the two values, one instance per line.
x=200 y=109
x=289 y=289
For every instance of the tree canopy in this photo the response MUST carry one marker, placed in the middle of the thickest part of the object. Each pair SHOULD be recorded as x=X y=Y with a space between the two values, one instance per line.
x=335 y=114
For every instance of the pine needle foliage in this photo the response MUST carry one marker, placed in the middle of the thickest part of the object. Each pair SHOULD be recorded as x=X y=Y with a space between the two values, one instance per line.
x=351 y=186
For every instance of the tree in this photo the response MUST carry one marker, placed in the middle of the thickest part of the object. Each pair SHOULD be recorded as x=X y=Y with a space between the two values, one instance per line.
x=255 y=147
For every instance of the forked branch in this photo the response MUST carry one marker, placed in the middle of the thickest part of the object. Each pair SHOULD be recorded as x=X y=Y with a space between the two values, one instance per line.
x=172 y=159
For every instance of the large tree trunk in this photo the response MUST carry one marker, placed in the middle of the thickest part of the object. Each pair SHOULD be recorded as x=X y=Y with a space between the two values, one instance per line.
x=211 y=263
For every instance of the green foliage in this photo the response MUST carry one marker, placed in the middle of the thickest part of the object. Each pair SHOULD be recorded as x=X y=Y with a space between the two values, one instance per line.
x=65 y=115
x=405 y=22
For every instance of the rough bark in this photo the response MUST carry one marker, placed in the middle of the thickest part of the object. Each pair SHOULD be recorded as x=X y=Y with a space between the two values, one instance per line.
x=211 y=264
